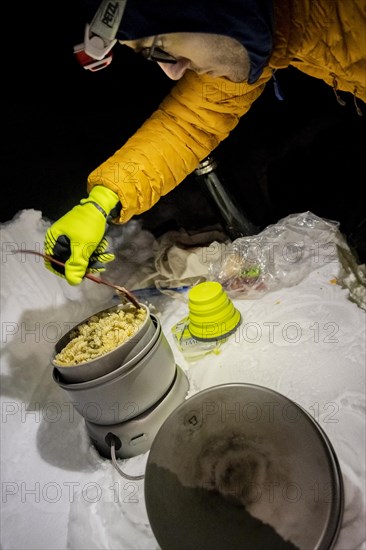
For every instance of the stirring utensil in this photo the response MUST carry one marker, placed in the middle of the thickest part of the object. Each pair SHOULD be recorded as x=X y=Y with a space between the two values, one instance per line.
x=127 y=293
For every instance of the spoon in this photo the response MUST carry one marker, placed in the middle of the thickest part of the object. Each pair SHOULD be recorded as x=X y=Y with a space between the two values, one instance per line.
x=130 y=297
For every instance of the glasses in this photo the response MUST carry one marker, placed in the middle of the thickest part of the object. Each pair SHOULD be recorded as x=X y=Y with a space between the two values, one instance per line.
x=154 y=53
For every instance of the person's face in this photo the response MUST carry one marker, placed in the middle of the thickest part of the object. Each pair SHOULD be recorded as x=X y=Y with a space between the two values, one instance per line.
x=203 y=53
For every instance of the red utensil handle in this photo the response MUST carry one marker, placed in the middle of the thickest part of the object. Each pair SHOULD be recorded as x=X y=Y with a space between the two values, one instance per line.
x=130 y=297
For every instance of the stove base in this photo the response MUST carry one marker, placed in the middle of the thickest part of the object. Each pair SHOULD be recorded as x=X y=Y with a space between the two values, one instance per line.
x=135 y=436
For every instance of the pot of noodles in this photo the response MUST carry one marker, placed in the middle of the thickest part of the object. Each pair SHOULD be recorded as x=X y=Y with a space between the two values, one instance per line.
x=130 y=388
x=103 y=342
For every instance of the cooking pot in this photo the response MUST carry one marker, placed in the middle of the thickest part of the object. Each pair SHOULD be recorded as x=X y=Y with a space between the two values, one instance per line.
x=136 y=435
x=128 y=390
x=242 y=466
x=113 y=359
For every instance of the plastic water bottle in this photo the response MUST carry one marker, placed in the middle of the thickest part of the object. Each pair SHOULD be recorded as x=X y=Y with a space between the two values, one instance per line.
x=234 y=220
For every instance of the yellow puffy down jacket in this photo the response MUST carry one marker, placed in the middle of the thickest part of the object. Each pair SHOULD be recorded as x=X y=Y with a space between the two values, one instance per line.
x=325 y=39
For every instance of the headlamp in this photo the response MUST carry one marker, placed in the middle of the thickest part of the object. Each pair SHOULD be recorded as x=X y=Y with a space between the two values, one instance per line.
x=99 y=37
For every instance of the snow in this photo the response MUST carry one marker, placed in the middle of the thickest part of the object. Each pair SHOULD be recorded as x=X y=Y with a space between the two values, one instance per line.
x=306 y=342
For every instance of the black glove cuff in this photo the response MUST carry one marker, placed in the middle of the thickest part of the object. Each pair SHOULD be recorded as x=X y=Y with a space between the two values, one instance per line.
x=114 y=213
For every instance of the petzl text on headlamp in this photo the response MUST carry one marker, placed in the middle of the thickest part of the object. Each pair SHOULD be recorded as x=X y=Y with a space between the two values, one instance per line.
x=99 y=37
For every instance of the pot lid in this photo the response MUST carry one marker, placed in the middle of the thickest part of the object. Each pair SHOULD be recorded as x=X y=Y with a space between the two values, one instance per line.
x=240 y=465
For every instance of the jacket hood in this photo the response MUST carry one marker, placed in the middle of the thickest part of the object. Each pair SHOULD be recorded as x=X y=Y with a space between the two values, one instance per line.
x=248 y=21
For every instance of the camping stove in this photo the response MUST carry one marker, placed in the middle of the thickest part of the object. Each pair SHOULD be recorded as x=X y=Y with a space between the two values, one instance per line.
x=126 y=405
x=135 y=436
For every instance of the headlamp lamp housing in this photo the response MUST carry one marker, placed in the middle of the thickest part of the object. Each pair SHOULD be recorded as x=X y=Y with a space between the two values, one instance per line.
x=95 y=52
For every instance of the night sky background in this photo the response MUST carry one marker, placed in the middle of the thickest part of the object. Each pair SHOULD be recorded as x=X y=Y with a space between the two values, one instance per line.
x=60 y=122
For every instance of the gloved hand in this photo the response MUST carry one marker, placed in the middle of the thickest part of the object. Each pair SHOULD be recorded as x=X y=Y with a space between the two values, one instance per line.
x=77 y=239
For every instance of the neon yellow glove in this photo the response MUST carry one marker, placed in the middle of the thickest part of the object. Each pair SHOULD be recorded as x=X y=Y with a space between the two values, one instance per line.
x=77 y=239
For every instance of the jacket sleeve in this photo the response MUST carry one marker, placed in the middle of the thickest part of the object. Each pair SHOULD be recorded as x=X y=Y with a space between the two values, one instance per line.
x=199 y=112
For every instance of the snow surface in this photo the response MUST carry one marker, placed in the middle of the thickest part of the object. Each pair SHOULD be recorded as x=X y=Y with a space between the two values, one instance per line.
x=306 y=342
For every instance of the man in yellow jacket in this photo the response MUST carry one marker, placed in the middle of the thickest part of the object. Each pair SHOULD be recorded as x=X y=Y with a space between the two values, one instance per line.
x=222 y=54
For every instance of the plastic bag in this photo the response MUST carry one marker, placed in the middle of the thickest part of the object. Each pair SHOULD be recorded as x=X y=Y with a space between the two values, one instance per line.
x=193 y=349
x=280 y=256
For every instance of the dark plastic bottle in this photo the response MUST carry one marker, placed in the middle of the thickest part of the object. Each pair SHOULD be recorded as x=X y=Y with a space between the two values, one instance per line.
x=235 y=223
